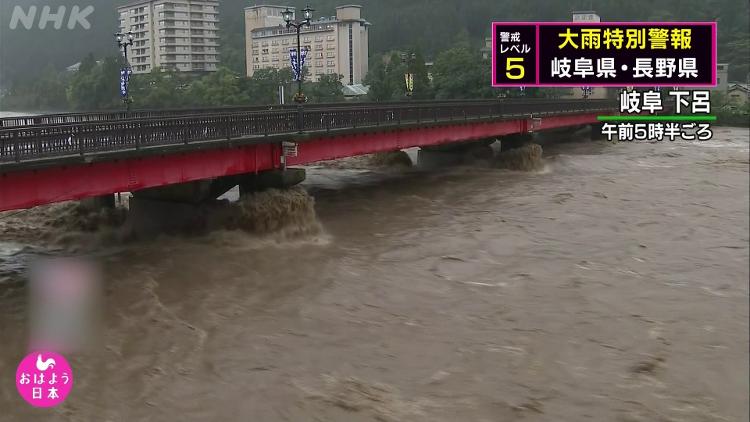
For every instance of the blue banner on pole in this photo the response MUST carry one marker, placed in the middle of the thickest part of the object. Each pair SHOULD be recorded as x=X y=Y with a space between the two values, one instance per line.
x=297 y=63
x=303 y=56
x=293 y=62
x=125 y=73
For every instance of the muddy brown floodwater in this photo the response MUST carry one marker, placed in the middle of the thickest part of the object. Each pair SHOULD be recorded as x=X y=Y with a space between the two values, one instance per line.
x=610 y=286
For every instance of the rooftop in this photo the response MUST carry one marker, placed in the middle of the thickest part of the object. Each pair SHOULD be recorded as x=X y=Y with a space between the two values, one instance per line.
x=355 y=90
x=323 y=20
x=275 y=6
x=138 y=2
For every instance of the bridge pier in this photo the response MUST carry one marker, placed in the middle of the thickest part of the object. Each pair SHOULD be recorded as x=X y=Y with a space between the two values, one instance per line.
x=455 y=153
x=149 y=217
x=191 y=207
x=96 y=203
x=274 y=179
x=515 y=141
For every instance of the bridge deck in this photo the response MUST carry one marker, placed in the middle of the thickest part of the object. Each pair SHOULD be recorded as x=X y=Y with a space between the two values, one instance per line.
x=50 y=162
x=105 y=116
x=41 y=144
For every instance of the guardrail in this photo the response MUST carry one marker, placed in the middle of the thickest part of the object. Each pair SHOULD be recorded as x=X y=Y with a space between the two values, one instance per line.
x=106 y=116
x=28 y=143
x=114 y=115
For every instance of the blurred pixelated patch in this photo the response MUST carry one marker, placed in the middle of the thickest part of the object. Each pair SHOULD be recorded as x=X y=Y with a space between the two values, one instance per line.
x=64 y=304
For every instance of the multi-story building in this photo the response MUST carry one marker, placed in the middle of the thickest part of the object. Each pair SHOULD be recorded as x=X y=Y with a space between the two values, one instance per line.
x=337 y=45
x=722 y=76
x=172 y=34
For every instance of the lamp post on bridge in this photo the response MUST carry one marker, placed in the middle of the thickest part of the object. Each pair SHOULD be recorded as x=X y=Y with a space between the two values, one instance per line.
x=124 y=41
x=298 y=61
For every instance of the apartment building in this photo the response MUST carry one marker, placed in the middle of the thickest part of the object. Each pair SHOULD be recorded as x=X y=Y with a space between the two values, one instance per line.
x=181 y=35
x=336 y=44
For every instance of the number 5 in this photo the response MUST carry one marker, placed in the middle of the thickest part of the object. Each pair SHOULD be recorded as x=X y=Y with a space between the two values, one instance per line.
x=510 y=66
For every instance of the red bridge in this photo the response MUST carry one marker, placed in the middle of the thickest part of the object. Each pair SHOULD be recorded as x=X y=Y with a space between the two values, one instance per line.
x=52 y=158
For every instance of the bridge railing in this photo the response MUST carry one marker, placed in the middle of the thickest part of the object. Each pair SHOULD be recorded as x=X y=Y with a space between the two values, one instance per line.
x=39 y=142
x=324 y=119
x=107 y=116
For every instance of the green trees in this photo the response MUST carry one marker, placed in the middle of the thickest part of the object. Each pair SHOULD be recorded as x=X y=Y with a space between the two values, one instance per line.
x=45 y=93
x=50 y=90
x=263 y=87
x=462 y=73
x=95 y=85
x=377 y=78
x=327 y=90
x=387 y=81
x=159 y=89
x=220 y=88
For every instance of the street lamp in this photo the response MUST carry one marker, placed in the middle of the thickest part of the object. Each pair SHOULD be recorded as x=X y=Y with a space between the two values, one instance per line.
x=123 y=42
x=291 y=23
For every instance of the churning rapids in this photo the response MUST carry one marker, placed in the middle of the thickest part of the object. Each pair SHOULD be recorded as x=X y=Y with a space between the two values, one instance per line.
x=609 y=284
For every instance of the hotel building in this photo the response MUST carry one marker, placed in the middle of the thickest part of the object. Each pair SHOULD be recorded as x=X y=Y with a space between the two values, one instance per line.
x=336 y=44
x=181 y=35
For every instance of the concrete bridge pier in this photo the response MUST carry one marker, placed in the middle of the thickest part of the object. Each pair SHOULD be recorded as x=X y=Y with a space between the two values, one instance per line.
x=455 y=154
x=274 y=179
x=188 y=207
x=515 y=141
x=97 y=203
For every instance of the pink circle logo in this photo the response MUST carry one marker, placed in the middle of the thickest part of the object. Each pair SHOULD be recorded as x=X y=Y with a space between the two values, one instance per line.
x=44 y=379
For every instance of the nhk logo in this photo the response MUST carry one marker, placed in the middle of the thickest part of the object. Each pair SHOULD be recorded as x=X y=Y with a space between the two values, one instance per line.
x=77 y=16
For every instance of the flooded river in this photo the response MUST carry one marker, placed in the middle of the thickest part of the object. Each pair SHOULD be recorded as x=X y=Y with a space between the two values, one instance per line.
x=611 y=285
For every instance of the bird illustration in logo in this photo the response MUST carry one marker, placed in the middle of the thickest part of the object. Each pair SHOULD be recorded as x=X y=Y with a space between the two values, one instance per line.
x=44 y=365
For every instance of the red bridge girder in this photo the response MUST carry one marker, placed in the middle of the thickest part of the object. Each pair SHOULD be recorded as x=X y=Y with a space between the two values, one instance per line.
x=28 y=188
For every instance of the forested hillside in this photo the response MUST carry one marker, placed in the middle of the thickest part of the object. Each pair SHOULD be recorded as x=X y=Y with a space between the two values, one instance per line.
x=431 y=25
